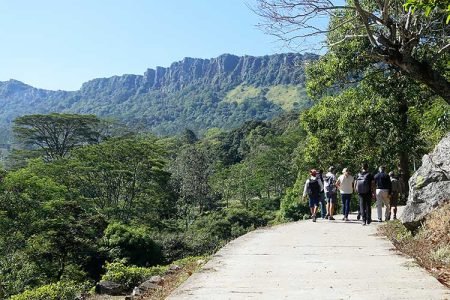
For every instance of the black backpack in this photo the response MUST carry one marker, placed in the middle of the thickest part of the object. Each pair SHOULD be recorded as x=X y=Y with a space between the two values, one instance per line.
x=330 y=188
x=313 y=187
x=363 y=183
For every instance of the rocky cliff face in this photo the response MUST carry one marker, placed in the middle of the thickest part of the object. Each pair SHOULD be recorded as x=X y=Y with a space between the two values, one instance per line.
x=429 y=187
x=221 y=71
x=165 y=99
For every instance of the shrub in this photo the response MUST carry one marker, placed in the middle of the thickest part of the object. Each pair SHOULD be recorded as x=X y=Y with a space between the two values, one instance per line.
x=130 y=276
x=442 y=254
x=54 y=291
x=133 y=244
x=291 y=208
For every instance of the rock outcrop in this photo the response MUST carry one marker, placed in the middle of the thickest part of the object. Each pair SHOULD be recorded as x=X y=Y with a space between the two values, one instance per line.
x=429 y=187
x=109 y=288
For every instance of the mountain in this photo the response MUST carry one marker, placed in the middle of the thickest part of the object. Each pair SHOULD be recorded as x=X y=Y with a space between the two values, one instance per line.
x=192 y=93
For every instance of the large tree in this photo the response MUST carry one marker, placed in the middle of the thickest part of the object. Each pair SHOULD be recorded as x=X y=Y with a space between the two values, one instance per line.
x=56 y=134
x=373 y=33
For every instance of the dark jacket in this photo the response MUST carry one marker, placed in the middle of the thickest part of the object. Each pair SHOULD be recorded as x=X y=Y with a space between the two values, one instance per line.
x=383 y=181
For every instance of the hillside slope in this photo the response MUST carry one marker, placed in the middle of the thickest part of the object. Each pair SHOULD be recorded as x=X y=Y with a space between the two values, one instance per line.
x=196 y=93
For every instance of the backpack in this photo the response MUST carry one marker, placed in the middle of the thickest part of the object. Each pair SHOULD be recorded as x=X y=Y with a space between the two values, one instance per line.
x=330 y=188
x=313 y=188
x=395 y=185
x=363 y=183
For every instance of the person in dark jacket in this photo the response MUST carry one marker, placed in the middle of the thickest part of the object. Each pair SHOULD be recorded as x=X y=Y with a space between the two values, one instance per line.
x=364 y=186
x=383 y=192
x=323 y=204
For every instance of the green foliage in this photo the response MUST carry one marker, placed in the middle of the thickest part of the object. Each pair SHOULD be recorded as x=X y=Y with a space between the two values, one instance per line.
x=56 y=134
x=132 y=244
x=54 y=291
x=427 y=6
x=130 y=276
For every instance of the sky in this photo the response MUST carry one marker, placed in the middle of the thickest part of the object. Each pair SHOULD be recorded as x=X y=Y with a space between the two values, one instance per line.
x=59 y=44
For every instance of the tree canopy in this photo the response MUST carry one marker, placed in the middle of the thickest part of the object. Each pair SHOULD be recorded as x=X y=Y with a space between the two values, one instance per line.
x=375 y=33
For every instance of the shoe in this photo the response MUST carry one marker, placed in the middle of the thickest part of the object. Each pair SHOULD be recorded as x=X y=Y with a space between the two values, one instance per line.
x=364 y=224
x=327 y=216
x=346 y=219
x=379 y=220
x=358 y=217
x=331 y=218
x=343 y=219
x=314 y=219
x=395 y=217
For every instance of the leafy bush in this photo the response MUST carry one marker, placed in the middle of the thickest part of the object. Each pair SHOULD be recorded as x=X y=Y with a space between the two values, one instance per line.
x=291 y=208
x=442 y=254
x=130 y=276
x=133 y=244
x=54 y=291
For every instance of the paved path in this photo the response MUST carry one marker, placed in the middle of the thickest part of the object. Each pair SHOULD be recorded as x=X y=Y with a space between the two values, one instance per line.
x=306 y=260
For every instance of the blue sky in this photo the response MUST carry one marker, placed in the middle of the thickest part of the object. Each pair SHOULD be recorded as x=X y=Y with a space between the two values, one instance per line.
x=59 y=44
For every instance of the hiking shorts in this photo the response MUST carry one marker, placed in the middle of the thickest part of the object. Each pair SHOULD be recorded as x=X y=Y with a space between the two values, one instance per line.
x=331 y=197
x=394 y=199
x=313 y=201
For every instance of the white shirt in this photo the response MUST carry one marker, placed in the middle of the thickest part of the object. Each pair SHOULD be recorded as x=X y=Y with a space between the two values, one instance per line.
x=345 y=184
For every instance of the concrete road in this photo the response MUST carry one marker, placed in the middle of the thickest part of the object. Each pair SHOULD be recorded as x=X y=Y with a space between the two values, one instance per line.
x=306 y=260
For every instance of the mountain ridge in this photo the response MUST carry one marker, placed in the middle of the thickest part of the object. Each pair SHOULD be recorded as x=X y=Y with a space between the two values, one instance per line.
x=164 y=99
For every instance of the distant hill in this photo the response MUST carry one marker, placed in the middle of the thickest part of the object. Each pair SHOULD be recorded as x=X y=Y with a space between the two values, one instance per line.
x=193 y=93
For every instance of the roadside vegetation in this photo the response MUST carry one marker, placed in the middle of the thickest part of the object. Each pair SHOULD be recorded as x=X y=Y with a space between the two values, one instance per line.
x=429 y=245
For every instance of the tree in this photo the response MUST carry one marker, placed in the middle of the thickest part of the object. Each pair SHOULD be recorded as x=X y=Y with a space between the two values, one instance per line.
x=56 y=134
x=373 y=33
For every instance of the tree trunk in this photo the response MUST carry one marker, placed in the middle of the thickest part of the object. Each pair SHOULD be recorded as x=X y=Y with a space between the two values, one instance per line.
x=424 y=73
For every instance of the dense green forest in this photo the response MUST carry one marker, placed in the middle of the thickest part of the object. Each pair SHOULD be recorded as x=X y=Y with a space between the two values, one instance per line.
x=83 y=198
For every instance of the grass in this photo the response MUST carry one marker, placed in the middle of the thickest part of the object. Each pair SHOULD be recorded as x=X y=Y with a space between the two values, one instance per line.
x=241 y=93
x=188 y=266
x=429 y=245
x=285 y=96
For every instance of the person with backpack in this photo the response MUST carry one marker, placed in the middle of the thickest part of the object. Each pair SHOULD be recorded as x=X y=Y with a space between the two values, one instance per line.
x=345 y=185
x=330 y=192
x=395 y=191
x=383 y=191
x=313 y=186
x=364 y=188
x=323 y=205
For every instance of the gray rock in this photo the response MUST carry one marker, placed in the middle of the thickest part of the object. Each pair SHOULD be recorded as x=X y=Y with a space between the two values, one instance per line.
x=429 y=187
x=153 y=283
x=174 y=268
x=109 y=288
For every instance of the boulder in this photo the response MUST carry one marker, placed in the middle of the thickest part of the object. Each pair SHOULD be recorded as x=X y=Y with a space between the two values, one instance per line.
x=429 y=187
x=109 y=288
x=153 y=283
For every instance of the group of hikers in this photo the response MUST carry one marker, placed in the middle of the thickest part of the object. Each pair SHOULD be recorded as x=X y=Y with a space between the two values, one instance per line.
x=385 y=188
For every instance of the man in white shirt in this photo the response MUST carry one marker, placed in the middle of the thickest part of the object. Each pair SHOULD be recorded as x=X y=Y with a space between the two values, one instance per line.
x=345 y=185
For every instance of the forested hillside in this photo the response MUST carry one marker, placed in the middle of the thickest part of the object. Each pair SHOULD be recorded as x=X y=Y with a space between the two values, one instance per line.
x=199 y=94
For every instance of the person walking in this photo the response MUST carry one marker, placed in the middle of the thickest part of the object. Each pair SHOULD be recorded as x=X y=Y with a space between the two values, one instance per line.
x=345 y=185
x=364 y=188
x=395 y=191
x=313 y=186
x=383 y=191
x=330 y=192
x=323 y=205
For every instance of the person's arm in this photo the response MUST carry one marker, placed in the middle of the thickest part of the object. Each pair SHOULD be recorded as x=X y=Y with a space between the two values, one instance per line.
x=338 y=182
x=389 y=182
x=321 y=185
x=305 y=188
